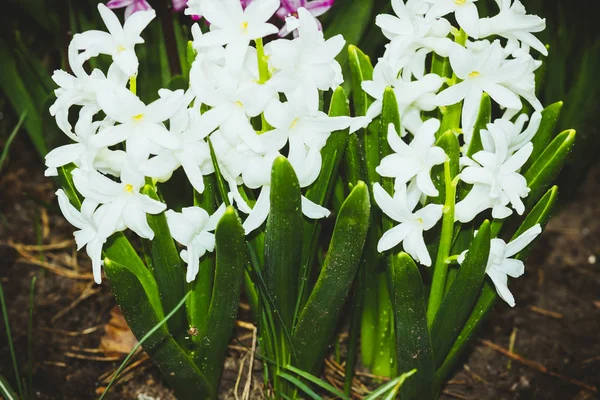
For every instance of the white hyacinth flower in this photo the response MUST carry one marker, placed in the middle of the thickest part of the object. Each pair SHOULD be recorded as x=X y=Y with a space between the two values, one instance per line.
x=414 y=160
x=307 y=132
x=306 y=64
x=234 y=27
x=496 y=180
x=465 y=11
x=413 y=97
x=500 y=265
x=483 y=67
x=516 y=135
x=140 y=125
x=119 y=42
x=193 y=228
x=192 y=152
x=122 y=204
x=513 y=23
x=413 y=37
x=82 y=153
x=88 y=223
x=412 y=224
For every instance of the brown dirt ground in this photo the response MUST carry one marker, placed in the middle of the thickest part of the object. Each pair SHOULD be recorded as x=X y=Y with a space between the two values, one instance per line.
x=556 y=322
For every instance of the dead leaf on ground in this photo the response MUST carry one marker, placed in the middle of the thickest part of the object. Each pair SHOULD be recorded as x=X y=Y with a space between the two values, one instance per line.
x=118 y=338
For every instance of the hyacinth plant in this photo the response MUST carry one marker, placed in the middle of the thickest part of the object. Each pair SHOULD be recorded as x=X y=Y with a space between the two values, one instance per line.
x=229 y=182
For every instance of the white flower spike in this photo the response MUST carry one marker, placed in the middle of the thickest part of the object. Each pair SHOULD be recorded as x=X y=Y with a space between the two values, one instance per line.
x=412 y=224
x=88 y=223
x=414 y=161
x=193 y=228
x=500 y=265
x=119 y=42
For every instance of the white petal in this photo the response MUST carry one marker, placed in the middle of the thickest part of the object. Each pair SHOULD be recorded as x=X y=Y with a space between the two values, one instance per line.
x=313 y=210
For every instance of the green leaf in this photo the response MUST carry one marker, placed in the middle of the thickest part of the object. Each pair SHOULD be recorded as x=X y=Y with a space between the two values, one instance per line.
x=167 y=268
x=550 y=117
x=199 y=301
x=352 y=18
x=362 y=70
x=540 y=214
x=449 y=143
x=459 y=300
x=177 y=368
x=319 y=382
x=451 y=118
x=412 y=335
x=10 y=139
x=483 y=118
x=141 y=342
x=218 y=322
x=547 y=167
x=320 y=191
x=390 y=114
x=318 y=319
x=178 y=82
x=21 y=100
x=283 y=240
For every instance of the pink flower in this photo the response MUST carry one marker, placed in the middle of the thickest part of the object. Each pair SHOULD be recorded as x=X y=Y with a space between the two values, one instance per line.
x=179 y=5
x=289 y=8
x=132 y=6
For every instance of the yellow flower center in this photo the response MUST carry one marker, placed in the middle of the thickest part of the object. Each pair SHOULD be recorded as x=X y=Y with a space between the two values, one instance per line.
x=239 y=104
x=294 y=123
x=245 y=27
x=474 y=74
x=129 y=188
x=460 y=2
x=138 y=117
x=420 y=220
x=121 y=48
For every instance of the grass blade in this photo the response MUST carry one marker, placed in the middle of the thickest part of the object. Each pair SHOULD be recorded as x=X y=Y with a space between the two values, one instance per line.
x=319 y=382
x=11 y=347
x=30 y=339
x=6 y=390
x=10 y=139
x=390 y=387
x=300 y=385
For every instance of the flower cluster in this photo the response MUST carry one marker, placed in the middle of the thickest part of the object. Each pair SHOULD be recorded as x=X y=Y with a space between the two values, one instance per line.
x=121 y=145
x=286 y=9
x=488 y=55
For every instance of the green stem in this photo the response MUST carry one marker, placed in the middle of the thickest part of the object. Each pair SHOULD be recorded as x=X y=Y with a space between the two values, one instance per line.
x=133 y=84
x=264 y=76
x=440 y=272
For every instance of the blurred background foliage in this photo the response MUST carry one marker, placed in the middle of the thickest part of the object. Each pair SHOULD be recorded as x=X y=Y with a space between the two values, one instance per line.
x=34 y=35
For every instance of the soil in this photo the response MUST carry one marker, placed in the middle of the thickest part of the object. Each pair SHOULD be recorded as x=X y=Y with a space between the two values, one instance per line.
x=555 y=325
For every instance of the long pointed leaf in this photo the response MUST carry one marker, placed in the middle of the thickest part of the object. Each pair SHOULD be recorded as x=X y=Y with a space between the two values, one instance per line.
x=283 y=239
x=550 y=117
x=547 y=167
x=167 y=268
x=457 y=304
x=176 y=367
x=230 y=264
x=412 y=335
x=317 y=321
